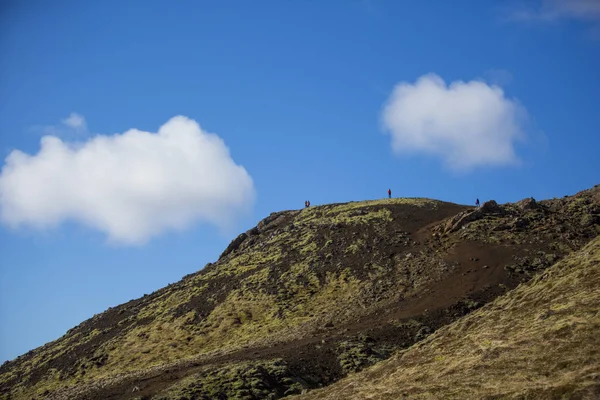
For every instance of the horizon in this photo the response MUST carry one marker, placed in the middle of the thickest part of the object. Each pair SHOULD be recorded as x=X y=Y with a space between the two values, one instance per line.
x=138 y=139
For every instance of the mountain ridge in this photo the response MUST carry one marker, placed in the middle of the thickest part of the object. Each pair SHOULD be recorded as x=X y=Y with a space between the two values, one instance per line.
x=329 y=290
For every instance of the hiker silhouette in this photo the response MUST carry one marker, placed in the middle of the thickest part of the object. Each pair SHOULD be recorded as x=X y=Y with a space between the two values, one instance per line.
x=389 y=193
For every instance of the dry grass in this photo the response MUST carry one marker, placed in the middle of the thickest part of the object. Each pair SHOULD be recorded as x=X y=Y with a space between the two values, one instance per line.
x=540 y=341
x=306 y=269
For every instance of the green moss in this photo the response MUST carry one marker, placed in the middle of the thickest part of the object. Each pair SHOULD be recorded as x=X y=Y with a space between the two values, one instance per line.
x=261 y=380
x=359 y=212
x=355 y=247
x=305 y=244
x=290 y=276
x=354 y=356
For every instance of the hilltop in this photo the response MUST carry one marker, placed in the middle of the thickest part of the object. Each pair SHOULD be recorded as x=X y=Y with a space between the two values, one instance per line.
x=306 y=298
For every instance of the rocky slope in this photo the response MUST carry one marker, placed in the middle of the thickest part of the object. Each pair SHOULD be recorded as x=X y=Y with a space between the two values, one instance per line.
x=539 y=341
x=306 y=298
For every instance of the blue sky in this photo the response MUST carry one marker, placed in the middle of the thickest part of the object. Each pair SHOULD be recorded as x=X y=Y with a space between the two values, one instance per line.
x=328 y=101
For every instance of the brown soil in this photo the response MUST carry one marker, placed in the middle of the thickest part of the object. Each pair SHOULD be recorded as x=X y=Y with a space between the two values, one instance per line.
x=435 y=306
x=476 y=271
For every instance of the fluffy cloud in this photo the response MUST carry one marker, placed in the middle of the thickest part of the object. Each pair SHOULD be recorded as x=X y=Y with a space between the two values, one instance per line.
x=132 y=186
x=467 y=124
x=74 y=121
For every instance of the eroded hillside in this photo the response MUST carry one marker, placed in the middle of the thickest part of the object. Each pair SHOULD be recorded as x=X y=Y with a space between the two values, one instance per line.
x=540 y=341
x=305 y=298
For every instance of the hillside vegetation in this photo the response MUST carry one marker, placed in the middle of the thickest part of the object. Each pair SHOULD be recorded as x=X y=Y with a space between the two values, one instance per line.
x=306 y=298
x=539 y=341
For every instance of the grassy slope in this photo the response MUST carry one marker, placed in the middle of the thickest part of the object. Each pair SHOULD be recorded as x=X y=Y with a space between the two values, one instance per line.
x=298 y=272
x=268 y=291
x=539 y=341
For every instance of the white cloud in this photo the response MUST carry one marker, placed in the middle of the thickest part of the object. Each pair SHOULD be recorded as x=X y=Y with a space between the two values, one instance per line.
x=75 y=121
x=132 y=186
x=466 y=124
x=552 y=10
x=586 y=9
x=499 y=77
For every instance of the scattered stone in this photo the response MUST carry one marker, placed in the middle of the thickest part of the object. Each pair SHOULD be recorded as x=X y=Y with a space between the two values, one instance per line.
x=589 y=220
x=501 y=227
x=423 y=333
x=546 y=315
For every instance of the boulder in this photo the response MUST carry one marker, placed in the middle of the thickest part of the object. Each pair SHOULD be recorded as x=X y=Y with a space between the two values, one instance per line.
x=234 y=245
x=527 y=204
x=519 y=223
x=465 y=217
x=252 y=232
x=462 y=219
x=272 y=220
x=491 y=207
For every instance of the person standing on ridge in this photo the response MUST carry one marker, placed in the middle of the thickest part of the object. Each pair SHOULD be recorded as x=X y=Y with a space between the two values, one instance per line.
x=477 y=203
x=389 y=193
